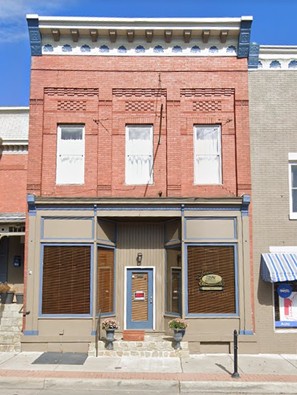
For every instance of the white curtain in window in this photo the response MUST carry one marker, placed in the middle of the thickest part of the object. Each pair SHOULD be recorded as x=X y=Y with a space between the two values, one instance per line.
x=207 y=151
x=70 y=155
x=139 y=154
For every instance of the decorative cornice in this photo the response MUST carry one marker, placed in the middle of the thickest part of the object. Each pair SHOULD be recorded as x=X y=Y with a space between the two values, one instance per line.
x=244 y=37
x=273 y=57
x=34 y=35
x=141 y=36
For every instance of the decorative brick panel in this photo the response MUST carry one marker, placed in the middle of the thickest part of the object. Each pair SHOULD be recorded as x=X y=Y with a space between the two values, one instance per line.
x=83 y=92
x=243 y=103
x=207 y=92
x=71 y=105
x=138 y=92
x=140 y=106
x=207 y=106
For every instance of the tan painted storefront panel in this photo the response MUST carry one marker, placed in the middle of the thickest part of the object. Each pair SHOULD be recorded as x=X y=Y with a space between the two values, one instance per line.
x=106 y=231
x=210 y=228
x=64 y=327
x=62 y=228
x=172 y=231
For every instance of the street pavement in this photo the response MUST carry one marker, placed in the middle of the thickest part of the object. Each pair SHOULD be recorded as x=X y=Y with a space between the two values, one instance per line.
x=201 y=373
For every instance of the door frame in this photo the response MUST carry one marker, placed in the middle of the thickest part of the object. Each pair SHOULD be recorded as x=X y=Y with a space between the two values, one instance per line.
x=125 y=291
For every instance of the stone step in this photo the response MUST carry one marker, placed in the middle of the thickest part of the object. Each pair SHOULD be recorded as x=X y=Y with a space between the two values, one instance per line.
x=10 y=347
x=152 y=346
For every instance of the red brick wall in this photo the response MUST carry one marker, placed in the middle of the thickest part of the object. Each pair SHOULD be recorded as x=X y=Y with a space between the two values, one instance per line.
x=13 y=183
x=106 y=93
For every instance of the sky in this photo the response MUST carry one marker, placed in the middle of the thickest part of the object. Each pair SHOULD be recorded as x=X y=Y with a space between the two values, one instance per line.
x=275 y=23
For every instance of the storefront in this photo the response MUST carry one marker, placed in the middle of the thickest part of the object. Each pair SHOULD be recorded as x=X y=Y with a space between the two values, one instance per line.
x=140 y=262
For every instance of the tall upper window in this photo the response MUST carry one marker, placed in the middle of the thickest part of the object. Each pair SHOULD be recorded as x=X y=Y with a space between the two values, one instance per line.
x=70 y=154
x=139 y=154
x=207 y=154
x=293 y=184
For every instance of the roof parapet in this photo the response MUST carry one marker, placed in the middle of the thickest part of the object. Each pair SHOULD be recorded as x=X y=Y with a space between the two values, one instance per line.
x=143 y=29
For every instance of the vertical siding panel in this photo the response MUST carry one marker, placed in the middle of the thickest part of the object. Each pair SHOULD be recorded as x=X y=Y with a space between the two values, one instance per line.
x=147 y=238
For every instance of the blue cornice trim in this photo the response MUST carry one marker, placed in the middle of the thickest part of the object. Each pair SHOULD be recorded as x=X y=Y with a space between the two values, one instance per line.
x=253 y=61
x=31 y=333
x=246 y=200
x=35 y=37
x=31 y=204
x=244 y=39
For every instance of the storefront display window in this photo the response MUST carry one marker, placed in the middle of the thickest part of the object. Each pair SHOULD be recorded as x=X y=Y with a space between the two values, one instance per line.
x=285 y=304
x=211 y=279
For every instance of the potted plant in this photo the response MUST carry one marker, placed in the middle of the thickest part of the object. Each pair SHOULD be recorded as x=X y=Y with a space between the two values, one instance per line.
x=7 y=293
x=179 y=326
x=109 y=325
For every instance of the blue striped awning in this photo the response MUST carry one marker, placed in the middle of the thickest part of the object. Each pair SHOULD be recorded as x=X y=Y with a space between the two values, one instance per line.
x=279 y=267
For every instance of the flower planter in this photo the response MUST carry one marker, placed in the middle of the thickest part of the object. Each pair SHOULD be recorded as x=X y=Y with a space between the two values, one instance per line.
x=109 y=339
x=178 y=335
x=7 y=297
x=19 y=298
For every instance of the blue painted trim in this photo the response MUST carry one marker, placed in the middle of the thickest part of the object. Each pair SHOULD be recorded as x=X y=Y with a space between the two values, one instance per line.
x=40 y=315
x=31 y=333
x=236 y=314
x=42 y=207
x=246 y=200
x=286 y=324
x=34 y=37
x=148 y=324
x=212 y=208
x=211 y=219
x=43 y=218
x=246 y=332
x=140 y=208
x=103 y=241
x=31 y=205
x=244 y=39
x=253 y=60
x=210 y=315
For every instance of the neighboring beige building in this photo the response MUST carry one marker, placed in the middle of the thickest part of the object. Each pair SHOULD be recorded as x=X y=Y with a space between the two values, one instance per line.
x=273 y=130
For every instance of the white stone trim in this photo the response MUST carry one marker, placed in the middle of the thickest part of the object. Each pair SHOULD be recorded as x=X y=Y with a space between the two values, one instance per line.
x=140 y=48
x=283 y=249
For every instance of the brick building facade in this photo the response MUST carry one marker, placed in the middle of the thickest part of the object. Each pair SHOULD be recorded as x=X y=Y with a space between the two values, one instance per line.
x=14 y=122
x=138 y=180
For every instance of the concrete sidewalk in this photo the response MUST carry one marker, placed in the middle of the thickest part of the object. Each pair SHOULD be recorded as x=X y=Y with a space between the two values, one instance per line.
x=197 y=374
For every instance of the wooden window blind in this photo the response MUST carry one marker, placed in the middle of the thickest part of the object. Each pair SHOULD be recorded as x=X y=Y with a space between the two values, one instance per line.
x=66 y=280
x=105 y=281
x=217 y=260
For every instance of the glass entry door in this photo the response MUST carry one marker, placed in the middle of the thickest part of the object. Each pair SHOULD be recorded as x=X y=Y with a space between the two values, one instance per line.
x=139 y=298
